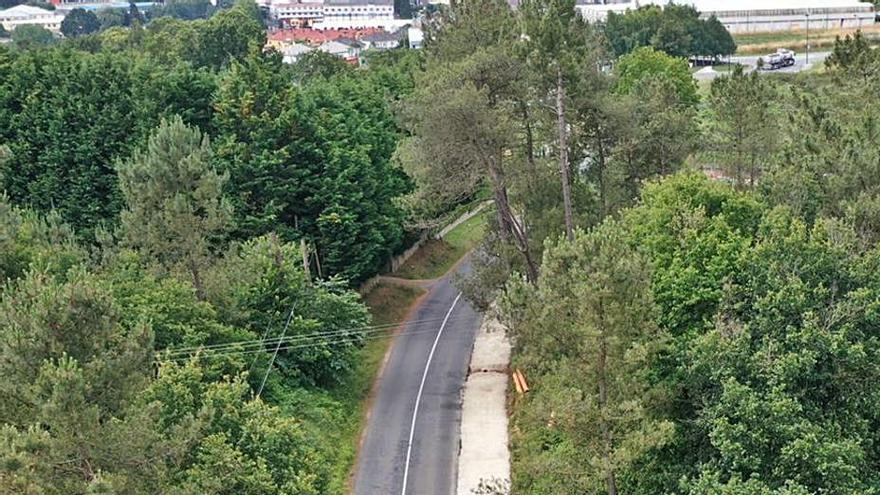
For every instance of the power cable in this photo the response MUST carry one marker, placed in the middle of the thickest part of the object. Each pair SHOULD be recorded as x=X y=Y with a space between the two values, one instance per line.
x=314 y=335
x=302 y=345
x=262 y=340
x=272 y=361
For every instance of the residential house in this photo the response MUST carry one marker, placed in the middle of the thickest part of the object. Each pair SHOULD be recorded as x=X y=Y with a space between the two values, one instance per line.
x=344 y=51
x=292 y=52
x=382 y=40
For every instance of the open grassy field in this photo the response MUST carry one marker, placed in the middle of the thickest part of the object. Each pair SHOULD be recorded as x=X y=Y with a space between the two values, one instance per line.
x=436 y=257
x=820 y=39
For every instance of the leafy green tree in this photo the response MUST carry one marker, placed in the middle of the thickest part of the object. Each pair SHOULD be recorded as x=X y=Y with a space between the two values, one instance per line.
x=79 y=22
x=30 y=242
x=3 y=32
x=675 y=34
x=628 y=31
x=72 y=367
x=262 y=283
x=312 y=164
x=32 y=36
x=587 y=334
x=461 y=115
x=780 y=305
x=242 y=445
x=229 y=35
x=187 y=10
x=716 y=40
x=174 y=202
x=177 y=317
x=662 y=133
x=827 y=166
x=177 y=90
x=110 y=17
x=675 y=29
x=65 y=140
x=694 y=231
x=319 y=64
x=646 y=63
x=171 y=41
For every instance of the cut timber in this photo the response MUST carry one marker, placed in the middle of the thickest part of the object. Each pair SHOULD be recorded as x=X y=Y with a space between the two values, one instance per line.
x=517 y=383
x=522 y=381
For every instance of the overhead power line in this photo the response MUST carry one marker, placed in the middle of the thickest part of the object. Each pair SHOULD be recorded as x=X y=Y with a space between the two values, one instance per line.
x=298 y=345
x=310 y=336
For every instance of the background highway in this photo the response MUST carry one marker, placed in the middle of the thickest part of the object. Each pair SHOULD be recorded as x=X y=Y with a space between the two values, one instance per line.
x=404 y=384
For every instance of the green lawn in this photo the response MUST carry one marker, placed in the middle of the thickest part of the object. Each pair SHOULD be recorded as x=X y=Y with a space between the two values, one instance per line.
x=436 y=257
x=388 y=304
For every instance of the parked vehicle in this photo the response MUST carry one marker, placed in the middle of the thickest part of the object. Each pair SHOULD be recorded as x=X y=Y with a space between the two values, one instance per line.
x=781 y=58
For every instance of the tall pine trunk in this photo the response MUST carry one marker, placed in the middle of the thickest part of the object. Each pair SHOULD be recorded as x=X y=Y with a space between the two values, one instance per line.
x=607 y=437
x=564 y=169
x=510 y=226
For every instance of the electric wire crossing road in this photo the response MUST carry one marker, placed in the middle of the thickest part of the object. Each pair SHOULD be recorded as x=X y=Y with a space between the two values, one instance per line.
x=412 y=435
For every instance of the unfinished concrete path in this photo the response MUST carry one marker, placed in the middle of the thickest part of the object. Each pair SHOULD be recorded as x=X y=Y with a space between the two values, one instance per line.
x=484 y=454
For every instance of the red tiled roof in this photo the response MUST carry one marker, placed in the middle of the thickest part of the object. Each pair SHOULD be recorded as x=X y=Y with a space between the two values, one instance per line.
x=317 y=37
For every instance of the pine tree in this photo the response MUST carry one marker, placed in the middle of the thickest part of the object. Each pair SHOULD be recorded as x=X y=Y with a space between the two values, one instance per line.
x=587 y=335
x=556 y=45
x=174 y=202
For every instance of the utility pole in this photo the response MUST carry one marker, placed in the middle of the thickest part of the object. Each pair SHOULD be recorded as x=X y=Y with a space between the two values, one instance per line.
x=305 y=254
x=808 y=38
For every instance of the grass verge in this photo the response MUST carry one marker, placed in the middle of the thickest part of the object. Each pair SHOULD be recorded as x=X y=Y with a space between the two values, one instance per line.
x=388 y=304
x=436 y=257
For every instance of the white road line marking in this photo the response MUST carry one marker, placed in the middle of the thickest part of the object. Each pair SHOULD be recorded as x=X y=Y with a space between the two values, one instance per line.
x=412 y=428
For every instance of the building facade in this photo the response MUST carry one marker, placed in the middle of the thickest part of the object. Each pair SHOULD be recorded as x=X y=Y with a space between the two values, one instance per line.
x=19 y=15
x=335 y=14
x=297 y=13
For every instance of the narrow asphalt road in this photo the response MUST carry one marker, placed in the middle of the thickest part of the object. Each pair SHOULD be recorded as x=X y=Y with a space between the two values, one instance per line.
x=750 y=62
x=414 y=424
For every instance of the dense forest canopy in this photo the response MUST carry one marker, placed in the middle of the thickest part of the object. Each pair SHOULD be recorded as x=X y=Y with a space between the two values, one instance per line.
x=674 y=29
x=173 y=192
x=174 y=196
x=305 y=160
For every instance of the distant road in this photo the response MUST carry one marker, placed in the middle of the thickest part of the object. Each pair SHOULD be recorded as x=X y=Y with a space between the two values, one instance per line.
x=751 y=61
x=414 y=425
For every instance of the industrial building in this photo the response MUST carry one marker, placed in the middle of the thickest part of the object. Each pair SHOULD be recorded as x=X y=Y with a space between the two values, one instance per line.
x=745 y=16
